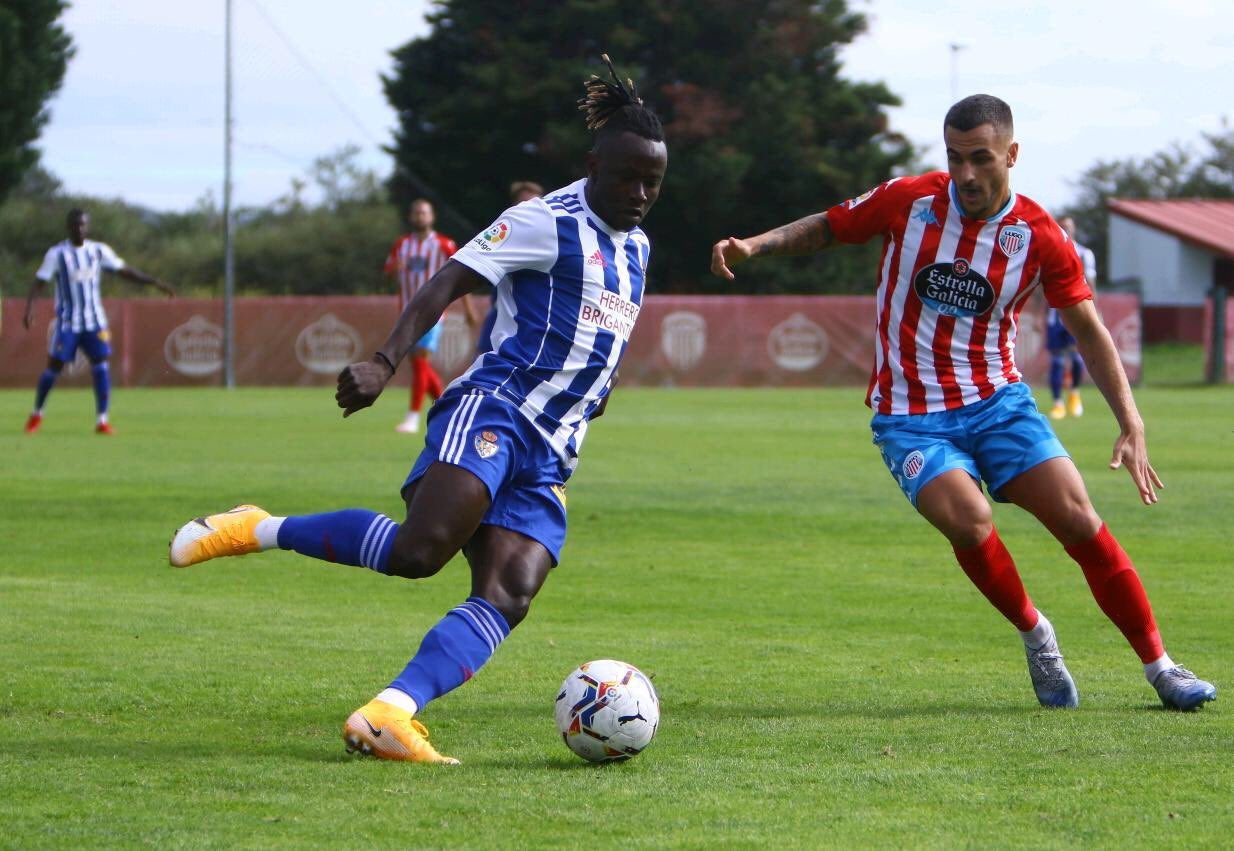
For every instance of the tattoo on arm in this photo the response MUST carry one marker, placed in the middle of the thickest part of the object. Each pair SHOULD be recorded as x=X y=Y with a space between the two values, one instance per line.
x=804 y=236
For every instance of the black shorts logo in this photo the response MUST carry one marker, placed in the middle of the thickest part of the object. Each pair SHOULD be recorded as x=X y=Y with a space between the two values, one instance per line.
x=954 y=289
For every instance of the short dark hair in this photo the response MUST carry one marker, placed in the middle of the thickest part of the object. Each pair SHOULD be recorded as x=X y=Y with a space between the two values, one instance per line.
x=976 y=110
x=421 y=200
x=612 y=108
x=520 y=186
x=76 y=212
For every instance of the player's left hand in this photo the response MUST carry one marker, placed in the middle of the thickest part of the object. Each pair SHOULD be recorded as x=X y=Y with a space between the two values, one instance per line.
x=728 y=253
x=360 y=384
x=1130 y=451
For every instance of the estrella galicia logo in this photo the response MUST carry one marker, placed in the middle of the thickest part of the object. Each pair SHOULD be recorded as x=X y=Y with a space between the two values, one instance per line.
x=954 y=289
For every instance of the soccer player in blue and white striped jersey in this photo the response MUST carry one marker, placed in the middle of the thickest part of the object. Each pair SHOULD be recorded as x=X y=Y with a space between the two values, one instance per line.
x=505 y=436
x=76 y=267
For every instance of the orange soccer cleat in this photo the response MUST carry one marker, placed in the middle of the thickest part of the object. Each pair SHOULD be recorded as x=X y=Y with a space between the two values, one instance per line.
x=231 y=533
x=383 y=730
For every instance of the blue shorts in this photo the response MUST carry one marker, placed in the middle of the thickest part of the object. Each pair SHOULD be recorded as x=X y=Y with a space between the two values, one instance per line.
x=94 y=343
x=430 y=339
x=993 y=440
x=490 y=438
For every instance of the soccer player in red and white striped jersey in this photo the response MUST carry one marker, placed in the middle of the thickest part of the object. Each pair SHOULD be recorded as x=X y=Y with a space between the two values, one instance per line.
x=962 y=253
x=414 y=258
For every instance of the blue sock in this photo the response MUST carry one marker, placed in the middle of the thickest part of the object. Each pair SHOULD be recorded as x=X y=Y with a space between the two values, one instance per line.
x=1077 y=371
x=354 y=536
x=46 y=380
x=453 y=651
x=102 y=386
x=1056 y=376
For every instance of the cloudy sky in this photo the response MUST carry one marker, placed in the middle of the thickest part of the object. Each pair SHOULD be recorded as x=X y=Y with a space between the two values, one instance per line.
x=140 y=113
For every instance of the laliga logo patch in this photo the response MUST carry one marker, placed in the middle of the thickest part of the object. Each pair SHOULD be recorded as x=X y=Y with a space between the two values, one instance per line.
x=1012 y=240
x=494 y=237
x=853 y=202
x=486 y=444
x=913 y=464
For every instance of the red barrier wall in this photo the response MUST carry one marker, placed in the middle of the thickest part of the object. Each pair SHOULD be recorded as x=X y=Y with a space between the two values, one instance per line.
x=707 y=341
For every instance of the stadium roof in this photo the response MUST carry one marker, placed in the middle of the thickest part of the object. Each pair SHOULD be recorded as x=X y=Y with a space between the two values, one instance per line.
x=1203 y=222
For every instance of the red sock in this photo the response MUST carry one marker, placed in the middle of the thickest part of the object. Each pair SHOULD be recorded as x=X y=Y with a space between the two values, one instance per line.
x=1118 y=591
x=419 y=381
x=434 y=380
x=992 y=570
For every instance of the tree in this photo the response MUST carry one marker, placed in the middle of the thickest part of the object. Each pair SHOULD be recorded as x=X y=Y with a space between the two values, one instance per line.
x=761 y=127
x=1177 y=172
x=34 y=54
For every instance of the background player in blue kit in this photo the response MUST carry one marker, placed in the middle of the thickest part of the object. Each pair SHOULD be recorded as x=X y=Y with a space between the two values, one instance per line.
x=1061 y=344
x=504 y=437
x=76 y=266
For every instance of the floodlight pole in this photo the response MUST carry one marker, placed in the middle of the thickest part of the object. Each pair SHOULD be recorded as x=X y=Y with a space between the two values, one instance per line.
x=229 y=262
x=956 y=47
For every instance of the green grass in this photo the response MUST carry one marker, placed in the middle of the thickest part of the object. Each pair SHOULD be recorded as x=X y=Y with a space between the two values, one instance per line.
x=1174 y=364
x=828 y=676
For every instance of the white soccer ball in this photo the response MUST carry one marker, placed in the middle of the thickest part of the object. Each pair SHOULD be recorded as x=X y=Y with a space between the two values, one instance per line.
x=607 y=711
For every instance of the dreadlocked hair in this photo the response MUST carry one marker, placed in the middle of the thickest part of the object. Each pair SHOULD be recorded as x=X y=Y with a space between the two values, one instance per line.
x=615 y=107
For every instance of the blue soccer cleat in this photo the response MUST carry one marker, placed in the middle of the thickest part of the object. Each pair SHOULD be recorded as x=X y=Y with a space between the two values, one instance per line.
x=1051 y=680
x=1180 y=689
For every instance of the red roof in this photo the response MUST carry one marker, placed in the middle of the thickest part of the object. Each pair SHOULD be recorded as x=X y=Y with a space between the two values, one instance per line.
x=1203 y=222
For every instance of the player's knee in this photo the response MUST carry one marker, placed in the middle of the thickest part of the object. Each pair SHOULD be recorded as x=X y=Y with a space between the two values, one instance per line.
x=513 y=604
x=512 y=592
x=415 y=559
x=1077 y=524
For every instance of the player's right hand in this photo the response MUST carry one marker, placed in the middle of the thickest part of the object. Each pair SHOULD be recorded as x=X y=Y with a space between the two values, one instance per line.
x=27 y=319
x=360 y=384
x=728 y=253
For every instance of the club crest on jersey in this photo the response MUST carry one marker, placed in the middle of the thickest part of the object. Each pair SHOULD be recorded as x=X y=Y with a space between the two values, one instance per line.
x=954 y=289
x=913 y=464
x=486 y=444
x=1012 y=240
x=494 y=237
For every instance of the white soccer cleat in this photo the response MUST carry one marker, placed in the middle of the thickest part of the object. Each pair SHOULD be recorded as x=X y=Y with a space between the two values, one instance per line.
x=410 y=423
x=1051 y=680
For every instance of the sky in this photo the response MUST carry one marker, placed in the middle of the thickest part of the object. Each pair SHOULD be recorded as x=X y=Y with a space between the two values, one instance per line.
x=140 y=115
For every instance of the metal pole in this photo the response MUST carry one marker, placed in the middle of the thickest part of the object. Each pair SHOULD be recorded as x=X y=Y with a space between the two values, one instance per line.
x=229 y=265
x=1216 y=363
x=956 y=47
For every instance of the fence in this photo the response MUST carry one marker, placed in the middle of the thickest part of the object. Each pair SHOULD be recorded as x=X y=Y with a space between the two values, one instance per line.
x=695 y=341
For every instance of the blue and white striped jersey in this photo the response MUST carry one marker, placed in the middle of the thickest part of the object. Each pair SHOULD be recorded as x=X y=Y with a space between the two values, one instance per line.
x=76 y=271
x=569 y=289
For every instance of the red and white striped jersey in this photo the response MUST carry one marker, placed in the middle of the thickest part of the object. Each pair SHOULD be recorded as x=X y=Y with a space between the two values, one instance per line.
x=414 y=260
x=951 y=288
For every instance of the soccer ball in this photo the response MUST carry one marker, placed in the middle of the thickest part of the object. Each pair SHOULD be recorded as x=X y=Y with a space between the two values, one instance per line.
x=607 y=711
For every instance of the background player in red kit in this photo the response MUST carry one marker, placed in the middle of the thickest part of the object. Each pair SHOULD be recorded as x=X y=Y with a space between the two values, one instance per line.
x=962 y=254
x=414 y=258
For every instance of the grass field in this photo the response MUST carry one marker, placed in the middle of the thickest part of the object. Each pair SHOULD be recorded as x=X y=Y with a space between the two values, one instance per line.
x=828 y=676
